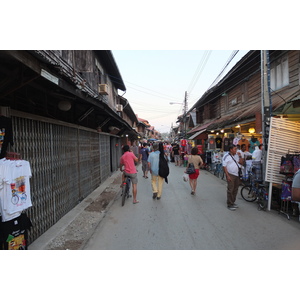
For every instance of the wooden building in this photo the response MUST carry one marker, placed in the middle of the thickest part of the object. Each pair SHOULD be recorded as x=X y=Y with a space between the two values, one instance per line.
x=68 y=121
x=233 y=106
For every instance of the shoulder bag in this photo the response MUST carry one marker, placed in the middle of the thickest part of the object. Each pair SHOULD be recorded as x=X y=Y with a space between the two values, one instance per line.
x=240 y=170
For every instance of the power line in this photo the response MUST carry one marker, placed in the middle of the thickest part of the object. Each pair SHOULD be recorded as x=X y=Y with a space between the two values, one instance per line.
x=233 y=54
x=232 y=78
x=199 y=70
x=117 y=80
x=171 y=97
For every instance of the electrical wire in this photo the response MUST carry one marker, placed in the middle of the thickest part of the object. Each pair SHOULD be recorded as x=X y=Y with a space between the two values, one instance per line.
x=199 y=70
x=233 y=54
x=232 y=79
x=117 y=80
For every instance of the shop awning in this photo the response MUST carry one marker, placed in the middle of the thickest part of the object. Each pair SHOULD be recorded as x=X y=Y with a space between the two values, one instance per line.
x=201 y=127
x=223 y=121
x=196 y=134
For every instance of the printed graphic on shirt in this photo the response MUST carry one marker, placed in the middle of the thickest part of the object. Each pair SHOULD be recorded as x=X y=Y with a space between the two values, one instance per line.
x=18 y=191
x=16 y=243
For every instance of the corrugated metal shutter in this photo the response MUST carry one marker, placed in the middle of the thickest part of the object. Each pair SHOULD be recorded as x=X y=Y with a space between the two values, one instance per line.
x=67 y=164
x=104 y=145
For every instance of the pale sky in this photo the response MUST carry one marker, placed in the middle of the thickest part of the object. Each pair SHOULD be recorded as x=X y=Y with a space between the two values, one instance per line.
x=154 y=78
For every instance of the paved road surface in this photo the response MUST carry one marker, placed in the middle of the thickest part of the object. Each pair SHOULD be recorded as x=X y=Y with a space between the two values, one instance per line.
x=182 y=221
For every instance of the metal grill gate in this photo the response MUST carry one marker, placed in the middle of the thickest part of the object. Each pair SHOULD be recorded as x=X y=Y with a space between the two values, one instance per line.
x=67 y=164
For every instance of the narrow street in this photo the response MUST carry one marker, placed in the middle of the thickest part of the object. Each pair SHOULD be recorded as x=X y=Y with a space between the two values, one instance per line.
x=182 y=221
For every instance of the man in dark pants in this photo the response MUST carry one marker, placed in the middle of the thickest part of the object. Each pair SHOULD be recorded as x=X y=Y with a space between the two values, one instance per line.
x=231 y=164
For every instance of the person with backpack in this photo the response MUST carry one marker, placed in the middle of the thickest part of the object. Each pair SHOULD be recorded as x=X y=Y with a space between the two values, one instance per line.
x=153 y=164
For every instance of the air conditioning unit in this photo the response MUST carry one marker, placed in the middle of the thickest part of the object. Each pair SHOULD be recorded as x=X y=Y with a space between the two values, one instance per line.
x=234 y=101
x=119 y=107
x=103 y=89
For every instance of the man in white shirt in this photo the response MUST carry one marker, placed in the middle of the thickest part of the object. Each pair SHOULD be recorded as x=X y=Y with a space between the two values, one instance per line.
x=257 y=153
x=257 y=162
x=231 y=164
x=244 y=154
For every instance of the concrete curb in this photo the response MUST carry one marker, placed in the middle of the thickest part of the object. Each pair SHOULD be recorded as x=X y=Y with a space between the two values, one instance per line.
x=73 y=231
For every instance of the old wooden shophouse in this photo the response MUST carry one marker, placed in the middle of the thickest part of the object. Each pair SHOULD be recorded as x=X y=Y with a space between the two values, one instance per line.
x=233 y=107
x=68 y=121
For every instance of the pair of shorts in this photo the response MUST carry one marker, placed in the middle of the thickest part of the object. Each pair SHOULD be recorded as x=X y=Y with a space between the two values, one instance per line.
x=195 y=175
x=177 y=157
x=144 y=165
x=133 y=177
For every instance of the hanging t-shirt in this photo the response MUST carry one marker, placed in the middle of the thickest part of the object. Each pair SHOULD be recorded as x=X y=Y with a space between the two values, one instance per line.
x=208 y=157
x=13 y=233
x=235 y=141
x=286 y=191
x=15 y=188
x=219 y=142
x=226 y=144
x=6 y=135
x=211 y=144
x=216 y=158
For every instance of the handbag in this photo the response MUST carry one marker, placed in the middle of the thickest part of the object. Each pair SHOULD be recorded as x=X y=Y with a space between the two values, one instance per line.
x=190 y=169
x=185 y=177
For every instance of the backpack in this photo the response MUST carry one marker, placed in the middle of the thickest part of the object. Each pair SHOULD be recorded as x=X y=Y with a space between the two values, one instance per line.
x=163 y=169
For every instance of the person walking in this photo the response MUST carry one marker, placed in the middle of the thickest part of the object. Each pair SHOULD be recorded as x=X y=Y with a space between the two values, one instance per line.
x=198 y=162
x=128 y=161
x=144 y=153
x=231 y=164
x=153 y=166
x=176 y=154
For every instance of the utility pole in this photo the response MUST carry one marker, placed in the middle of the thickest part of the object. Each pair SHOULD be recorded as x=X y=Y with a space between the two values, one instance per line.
x=265 y=108
x=185 y=108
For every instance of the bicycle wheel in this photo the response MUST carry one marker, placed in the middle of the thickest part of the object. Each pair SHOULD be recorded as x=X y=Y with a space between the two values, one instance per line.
x=262 y=199
x=124 y=193
x=221 y=174
x=248 y=194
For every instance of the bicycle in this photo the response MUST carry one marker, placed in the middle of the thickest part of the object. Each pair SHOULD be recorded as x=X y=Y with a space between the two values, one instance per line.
x=219 y=171
x=255 y=190
x=125 y=189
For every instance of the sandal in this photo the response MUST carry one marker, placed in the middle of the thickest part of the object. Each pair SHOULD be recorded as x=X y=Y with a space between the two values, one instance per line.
x=135 y=202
